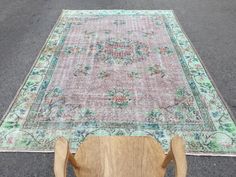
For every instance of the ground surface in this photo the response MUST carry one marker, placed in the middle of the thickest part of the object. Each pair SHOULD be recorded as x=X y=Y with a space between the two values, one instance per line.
x=25 y=25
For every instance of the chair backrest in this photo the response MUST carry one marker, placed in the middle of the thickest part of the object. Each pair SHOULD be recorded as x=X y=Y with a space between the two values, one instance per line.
x=120 y=156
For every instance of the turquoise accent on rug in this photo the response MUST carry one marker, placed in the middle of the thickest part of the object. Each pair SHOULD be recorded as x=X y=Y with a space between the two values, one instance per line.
x=118 y=72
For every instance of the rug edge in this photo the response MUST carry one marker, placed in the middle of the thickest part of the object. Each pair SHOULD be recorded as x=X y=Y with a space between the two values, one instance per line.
x=30 y=70
x=207 y=72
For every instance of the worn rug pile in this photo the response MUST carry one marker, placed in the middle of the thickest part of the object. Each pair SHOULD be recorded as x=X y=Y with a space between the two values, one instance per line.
x=118 y=72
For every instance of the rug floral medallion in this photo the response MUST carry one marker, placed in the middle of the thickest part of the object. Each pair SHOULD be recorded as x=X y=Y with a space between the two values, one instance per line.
x=118 y=72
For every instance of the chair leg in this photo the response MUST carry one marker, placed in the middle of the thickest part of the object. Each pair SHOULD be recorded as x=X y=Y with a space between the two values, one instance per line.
x=73 y=161
x=167 y=159
x=177 y=154
x=61 y=157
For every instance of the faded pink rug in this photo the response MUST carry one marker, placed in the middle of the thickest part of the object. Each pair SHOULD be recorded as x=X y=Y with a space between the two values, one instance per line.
x=118 y=72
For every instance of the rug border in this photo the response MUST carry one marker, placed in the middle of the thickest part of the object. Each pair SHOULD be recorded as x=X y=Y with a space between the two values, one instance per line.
x=73 y=151
x=207 y=72
x=30 y=70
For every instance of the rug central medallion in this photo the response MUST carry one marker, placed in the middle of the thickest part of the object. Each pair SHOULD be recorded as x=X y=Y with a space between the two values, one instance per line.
x=120 y=51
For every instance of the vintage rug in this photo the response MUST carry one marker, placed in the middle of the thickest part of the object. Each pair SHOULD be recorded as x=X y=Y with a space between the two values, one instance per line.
x=118 y=72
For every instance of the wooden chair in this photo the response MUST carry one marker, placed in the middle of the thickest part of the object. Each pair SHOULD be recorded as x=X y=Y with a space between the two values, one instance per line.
x=120 y=156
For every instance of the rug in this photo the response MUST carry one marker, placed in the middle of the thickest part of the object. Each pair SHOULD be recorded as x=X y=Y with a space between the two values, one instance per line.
x=118 y=72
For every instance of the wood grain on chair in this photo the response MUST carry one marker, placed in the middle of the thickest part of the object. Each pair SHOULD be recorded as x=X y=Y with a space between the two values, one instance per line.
x=120 y=156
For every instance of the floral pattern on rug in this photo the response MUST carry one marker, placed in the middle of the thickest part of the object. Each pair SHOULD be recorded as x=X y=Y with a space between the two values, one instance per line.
x=119 y=98
x=120 y=51
x=118 y=72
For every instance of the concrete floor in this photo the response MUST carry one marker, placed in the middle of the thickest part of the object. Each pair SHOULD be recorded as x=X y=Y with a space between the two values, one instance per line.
x=25 y=25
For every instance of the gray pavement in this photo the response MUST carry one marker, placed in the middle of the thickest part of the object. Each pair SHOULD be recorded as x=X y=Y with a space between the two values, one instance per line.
x=25 y=25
